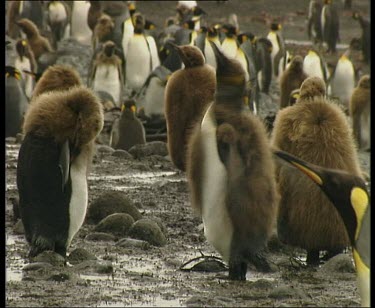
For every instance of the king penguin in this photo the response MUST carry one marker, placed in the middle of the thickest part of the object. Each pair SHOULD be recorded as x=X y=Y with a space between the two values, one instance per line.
x=26 y=64
x=291 y=79
x=53 y=161
x=342 y=80
x=79 y=27
x=263 y=63
x=128 y=130
x=314 y=26
x=315 y=66
x=230 y=44
x=230 y=173
x=141 y=57
x=128 y=28
x=37 y=43
x=58 y=20
x=348 y=194
x=360 y=112
x=187 y=95
x=279 y=53
x=56 y=77
x=330 y=25
x=365 y=37
x=16 y=102
x=317 y=131
x=107 y=74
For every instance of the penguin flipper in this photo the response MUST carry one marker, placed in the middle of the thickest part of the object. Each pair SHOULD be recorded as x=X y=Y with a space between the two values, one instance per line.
x=64 y=163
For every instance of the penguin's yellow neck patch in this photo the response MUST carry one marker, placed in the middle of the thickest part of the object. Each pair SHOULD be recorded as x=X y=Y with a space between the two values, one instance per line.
x=359 y=264
x=309 y=173
x=359 y=201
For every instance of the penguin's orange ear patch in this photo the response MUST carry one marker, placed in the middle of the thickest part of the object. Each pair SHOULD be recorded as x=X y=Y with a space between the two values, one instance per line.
x=123 y=107
x=133 y=108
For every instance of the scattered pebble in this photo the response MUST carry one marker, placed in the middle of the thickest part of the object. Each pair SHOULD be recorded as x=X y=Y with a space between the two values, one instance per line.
x=79 y=255
x=51 y=257
x=150 y=148
x=94 y=266
x=342 y=263
x=133 y=243
x=286 y=292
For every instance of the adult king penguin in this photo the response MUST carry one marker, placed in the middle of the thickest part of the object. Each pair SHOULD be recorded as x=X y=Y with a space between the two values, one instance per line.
x=26 y=64
x=342 y=80
x=349 y=195
x=60 y=128
x=330 y=25
x=79 y=27
x=365 y=37
x=315 y=130
x=315 y=66
x=107 y=74
x=187 y=95
x=230 y=173
x=314 y=26
x=360 y=112
x=58 y=20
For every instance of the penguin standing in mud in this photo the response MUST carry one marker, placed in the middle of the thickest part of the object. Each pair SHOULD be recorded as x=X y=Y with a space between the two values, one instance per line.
x=349 y=195
x=291 y=79
x=32 y=10
x=16 y=102
x=128 y=28
x=58 y=20
x=187 y=95
x=37 y=43
x=317 y=131
x=330 y=25
x=342 y=81
x=56 y=77
x=314 y=26
x=141 y=59
x=53 y=161
x=279 y=53
x=79 y=27
x=128 y=130
x=107 y=74
x=231 y=174
x=365 y=37
x=360 y=112
x=315 y=66
x=26 y=64
x=263 y=63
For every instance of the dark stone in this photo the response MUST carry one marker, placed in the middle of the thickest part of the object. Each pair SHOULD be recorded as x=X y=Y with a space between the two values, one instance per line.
x=116 y=224
x=100 y=236
x=79 y=255
x=150 y=148
x=148 y=230
x=51 y=257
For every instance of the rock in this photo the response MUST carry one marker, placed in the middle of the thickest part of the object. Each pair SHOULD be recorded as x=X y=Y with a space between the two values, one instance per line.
x=94 y=266
x=148 y=230
x=116 y=224
x=133 y=243
x=122 y=154
x=79 y=255
x=109 y=203
x=36 y=266
x=104 y=149
x=262 y=284
x=341 y=263
x=287 y=292
x=100 y=236
x=51 y=257
x=150 y=148
x=18 y=227
x=160 y=224
x=60 y=277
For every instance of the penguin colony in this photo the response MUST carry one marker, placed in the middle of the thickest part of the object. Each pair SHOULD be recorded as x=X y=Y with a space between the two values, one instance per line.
x=203 y=81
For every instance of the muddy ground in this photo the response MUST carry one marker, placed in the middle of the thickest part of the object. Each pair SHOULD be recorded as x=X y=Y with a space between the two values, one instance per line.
x=141 y=276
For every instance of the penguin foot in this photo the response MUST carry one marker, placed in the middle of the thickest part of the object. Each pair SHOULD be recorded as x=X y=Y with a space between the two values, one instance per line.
x=261 y=263
x=331 y=253
x=237 y=270
x=312 y=258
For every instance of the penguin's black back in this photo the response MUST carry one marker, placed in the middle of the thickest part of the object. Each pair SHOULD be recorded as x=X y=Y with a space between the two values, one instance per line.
x=44 y=204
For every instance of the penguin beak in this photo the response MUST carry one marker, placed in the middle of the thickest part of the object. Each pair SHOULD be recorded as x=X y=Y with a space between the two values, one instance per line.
x=301 y=165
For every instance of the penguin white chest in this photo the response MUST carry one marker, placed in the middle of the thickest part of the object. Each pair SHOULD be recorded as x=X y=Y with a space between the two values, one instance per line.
x=209 y=54
x=272 y=36
x=312 y=67
x=229 y=47
x=57 y=12
x=79 y=27
x=22 y=65
x=79 y=198
x=128 y=30
x=218 y=227
x=154 y=98
x=107 y=79
x=137 y=62
x=343 y=82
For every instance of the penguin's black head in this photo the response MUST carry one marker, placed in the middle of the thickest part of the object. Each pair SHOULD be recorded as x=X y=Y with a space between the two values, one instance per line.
x=188 y=24
x=347 y=192
x=312 y=87
x=228 y=71
x=229 y=30
x=11 y=71
x=365 y=82
x=191 y=56
x=149 y=25
x=139 y=23
x=244 y=36
x=129 y=105
x=109 y=48
x=169 y=21
x=275 y=27
x=203 y=29
x=21 y=47
x=197 y=11
x=212 y=31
